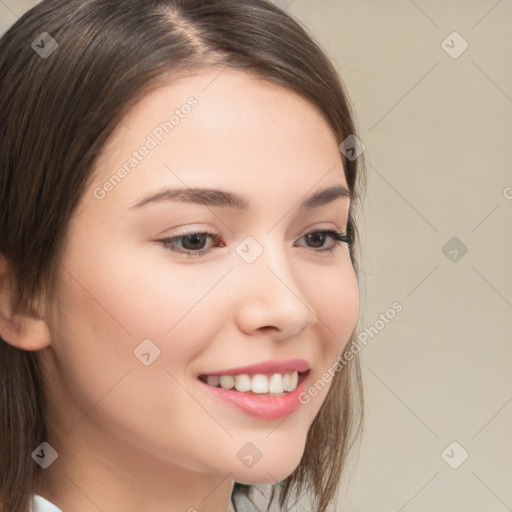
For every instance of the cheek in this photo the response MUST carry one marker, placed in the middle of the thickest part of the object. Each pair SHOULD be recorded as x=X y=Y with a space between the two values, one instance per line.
x=337 y=302
x=136 y=292
x=335 y=297
x=106 y=311
x=116 y=307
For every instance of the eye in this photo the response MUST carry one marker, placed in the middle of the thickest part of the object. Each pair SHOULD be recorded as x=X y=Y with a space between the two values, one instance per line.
x=318 y=239
x=194 y=245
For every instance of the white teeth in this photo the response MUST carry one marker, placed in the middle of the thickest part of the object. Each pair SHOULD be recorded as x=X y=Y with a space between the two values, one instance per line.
x=294 y=378
x=259 y=383
x=277 y=383
x=243 y=382
x=213 y=380
x=227 y=382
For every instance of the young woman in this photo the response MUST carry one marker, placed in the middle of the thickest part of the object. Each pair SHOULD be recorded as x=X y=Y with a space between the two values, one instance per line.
x=178 y=259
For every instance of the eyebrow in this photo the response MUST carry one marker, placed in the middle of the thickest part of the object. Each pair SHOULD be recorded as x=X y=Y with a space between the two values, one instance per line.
x=225 y=199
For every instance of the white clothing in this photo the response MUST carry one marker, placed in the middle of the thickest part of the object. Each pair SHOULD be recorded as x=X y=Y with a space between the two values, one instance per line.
x=40 y=504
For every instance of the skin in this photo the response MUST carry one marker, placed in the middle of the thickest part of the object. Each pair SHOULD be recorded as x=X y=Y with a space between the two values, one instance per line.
x=132 y=437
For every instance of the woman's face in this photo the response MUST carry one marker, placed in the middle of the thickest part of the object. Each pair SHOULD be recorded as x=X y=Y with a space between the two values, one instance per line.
x=139 y=323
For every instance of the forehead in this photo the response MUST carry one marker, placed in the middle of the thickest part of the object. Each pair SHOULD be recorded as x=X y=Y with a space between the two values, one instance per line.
x=219 y=128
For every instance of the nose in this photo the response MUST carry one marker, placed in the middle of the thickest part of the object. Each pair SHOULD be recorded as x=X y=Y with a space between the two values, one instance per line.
x=271 y=296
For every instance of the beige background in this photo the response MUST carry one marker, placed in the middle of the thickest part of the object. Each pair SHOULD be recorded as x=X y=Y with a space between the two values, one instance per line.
x=438 y=142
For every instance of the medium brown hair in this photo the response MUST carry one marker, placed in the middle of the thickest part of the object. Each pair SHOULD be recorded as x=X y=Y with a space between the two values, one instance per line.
x=56 y=114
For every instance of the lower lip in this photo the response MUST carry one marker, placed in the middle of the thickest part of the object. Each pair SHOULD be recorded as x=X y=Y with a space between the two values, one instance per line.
x=262 y=406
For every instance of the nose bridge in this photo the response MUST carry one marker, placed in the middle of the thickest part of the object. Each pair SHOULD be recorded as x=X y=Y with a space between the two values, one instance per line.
x=269 y=288
x=267 y=262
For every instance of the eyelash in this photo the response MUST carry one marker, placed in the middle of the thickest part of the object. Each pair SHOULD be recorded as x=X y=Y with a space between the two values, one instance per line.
x=338 y=236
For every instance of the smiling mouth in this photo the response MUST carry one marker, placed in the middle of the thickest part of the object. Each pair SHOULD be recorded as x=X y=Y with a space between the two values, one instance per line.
x=270 y=384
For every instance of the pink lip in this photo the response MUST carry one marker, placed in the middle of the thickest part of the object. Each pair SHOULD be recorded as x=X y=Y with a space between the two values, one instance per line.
x=261 y=406
x=266 y=367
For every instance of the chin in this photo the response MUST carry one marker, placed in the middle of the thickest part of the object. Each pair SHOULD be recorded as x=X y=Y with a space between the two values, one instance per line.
x=250 y=477
x=267 y=472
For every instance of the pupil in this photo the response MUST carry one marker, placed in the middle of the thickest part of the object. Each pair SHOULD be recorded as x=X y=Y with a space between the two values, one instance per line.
x=194 y=238
x=318 y=236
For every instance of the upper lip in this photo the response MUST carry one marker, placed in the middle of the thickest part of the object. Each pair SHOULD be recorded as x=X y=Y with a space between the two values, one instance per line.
x=274 y=366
